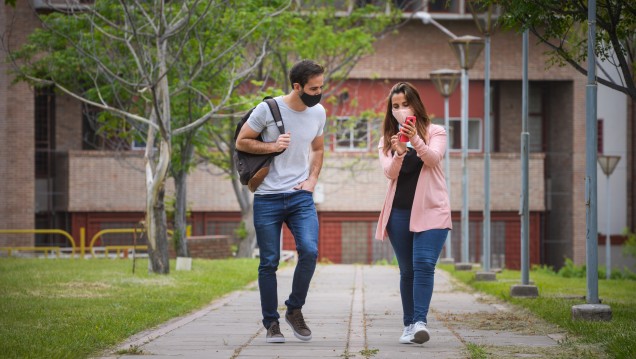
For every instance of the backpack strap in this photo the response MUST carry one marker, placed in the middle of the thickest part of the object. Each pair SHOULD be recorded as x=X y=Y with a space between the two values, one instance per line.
x=278 y=119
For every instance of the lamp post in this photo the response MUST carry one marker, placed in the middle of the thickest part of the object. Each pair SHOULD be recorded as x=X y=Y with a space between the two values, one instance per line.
x=525 y=289
x=608 y=164
x=593 y=310
x=467 y=49
x=483 y=17
x=445 y=82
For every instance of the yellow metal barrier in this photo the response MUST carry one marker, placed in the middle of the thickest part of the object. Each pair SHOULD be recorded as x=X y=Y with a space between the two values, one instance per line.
x=82 y=248
x=118 y=230
x=46 y=250
x=41 y=231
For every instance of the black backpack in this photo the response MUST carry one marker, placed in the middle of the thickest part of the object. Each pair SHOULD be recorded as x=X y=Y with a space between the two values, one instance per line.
x=253 y=168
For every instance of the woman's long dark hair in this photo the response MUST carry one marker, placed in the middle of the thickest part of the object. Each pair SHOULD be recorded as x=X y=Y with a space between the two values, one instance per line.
x=390 y=124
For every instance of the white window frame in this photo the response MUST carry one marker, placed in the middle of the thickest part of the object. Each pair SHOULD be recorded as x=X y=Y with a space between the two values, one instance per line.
x=352 y=140
x=480 y=130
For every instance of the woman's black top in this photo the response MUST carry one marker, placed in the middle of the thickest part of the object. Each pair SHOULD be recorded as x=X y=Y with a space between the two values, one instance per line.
x=407 y=180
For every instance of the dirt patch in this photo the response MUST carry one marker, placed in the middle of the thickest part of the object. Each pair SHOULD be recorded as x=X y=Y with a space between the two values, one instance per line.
x=564 y=350
x=518 y=322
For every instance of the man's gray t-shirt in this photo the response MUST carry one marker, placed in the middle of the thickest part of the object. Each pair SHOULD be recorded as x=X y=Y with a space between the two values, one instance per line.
x=292 y=166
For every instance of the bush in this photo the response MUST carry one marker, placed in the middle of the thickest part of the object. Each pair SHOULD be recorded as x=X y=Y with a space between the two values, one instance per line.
x=571 y=270
x=542 y=269
x=629 y=247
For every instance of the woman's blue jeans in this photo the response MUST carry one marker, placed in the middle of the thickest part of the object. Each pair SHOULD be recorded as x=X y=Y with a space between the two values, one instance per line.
x=417 y=254
x=298 y=211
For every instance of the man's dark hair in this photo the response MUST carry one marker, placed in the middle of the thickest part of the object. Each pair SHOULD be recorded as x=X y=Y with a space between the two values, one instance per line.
x=302 y=71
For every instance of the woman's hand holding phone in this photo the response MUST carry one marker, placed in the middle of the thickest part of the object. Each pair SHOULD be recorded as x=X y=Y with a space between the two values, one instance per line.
x=408 y=129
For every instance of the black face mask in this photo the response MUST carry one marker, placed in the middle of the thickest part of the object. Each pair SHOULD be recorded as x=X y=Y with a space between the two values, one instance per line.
x=310 y=100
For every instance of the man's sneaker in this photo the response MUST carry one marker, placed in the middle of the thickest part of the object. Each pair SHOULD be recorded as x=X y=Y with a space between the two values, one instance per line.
x=407 y=335
x=273 y=334
x=420 y=333
x=294 y=318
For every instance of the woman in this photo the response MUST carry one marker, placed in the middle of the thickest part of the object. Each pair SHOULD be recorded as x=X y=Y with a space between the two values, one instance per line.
x=416 y=211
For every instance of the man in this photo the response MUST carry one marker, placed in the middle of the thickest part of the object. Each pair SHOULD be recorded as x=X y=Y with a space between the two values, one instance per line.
x=286 y=193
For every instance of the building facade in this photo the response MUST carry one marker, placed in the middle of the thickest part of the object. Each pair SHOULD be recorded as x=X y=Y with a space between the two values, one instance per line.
x=53 y=178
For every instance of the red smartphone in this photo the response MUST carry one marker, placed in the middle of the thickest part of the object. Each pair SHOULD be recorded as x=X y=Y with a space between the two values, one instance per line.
x=410 y=120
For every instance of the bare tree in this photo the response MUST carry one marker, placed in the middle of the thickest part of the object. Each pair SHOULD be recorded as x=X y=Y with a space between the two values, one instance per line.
x=142 y=62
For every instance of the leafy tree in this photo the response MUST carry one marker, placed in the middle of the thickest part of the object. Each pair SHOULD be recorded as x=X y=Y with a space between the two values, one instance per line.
x=322 y=32
x=562 y=26
x=164 y=68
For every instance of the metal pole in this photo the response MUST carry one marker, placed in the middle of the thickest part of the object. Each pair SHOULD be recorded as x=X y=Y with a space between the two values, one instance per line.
x=464 y=129
x=525 y=139
x=449 y=246
x=608 y=241
x=486 y=233
x=591 y=244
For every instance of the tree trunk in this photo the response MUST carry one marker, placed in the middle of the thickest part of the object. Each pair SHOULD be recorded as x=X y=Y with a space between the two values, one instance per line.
x=180 y=213
x=156 y=221
x=159 y=261
x=157 y=172
x=247 y=245
x=245 y=200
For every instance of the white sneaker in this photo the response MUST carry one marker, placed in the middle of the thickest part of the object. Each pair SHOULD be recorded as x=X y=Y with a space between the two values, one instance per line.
x=420 y=333
x=407 y=335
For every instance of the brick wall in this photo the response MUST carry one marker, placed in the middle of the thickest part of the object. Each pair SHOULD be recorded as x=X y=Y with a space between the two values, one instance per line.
x=417 y=49
x=106 y=181
x=17 y=148
x=207 y=247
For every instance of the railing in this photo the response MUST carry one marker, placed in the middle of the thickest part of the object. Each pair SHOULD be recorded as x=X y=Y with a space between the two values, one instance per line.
x=56 y=249
x=82 y=241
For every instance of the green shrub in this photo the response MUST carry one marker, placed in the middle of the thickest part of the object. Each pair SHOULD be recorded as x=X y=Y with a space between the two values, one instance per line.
x=571 y=270
x=629 y=247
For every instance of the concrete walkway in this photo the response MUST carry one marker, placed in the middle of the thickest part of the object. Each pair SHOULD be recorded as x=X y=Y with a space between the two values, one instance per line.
x=354 y=311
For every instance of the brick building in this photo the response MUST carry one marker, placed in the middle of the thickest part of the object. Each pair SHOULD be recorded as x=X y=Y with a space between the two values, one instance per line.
x=53 y=179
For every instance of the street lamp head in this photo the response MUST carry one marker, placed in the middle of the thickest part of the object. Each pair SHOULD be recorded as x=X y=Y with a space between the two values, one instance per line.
x=467 y=49
x=485 y=16
x=608 y=163
x=445 y=81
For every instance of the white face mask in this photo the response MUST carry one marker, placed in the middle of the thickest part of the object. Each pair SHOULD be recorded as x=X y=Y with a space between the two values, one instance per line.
x=401 y=114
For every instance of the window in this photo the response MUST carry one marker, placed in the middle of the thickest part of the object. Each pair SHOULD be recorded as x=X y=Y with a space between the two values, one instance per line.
x=535 y=117
x=138 y=144
x=455 y=133
x=409 y=5
x=351 y=135
x=444 y=6
x=44 y=131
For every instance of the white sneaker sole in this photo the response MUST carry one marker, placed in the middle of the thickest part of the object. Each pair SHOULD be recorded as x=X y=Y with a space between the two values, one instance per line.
x=406 y=340
x=275 y=340
x=297 y=335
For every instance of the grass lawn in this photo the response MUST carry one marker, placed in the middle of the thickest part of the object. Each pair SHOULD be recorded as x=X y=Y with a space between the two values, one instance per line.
x=557 y=295
x=52 y=308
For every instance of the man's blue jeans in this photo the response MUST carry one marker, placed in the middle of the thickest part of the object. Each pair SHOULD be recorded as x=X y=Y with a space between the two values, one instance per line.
x=417 y=254
x=298 y=211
